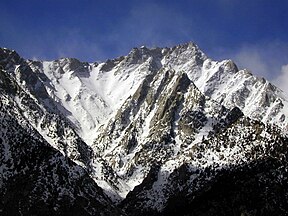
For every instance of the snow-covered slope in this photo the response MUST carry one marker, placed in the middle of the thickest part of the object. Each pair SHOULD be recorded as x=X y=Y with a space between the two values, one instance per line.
x=223 y=82
x=37 y=179
x=89 y=94
x=30 y=98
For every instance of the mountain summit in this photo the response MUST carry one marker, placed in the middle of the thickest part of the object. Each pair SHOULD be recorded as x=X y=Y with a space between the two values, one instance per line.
x=161 y=131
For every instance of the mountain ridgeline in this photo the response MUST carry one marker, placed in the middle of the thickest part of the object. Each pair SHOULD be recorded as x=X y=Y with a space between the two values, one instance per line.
x=161 y=131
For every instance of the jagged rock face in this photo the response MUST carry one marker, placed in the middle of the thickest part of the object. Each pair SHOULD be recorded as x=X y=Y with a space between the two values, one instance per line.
x=158 y=129
x=165 y=118
x=225 y=174
x=37 y=179
x=27 y=125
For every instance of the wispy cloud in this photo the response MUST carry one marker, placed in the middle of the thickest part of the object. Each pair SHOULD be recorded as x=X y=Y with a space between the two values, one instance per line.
x=152 y=25
x=74 y=44
x=282 y=80
x=268 y=60
x=263 y=59
x=252 y=58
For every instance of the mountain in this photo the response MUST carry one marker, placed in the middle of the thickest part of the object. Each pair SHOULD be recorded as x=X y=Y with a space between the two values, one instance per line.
x=161 y=131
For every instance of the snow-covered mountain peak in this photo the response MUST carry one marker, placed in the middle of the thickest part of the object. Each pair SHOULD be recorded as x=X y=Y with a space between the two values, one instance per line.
x=183 y=53
x=152 y=129
x=80 y=87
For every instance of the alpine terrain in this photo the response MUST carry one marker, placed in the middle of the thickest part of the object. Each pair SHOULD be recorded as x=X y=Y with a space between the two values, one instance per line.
x=161 y=131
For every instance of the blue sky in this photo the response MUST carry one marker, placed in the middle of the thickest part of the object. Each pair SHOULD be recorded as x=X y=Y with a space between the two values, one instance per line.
x=254 y=33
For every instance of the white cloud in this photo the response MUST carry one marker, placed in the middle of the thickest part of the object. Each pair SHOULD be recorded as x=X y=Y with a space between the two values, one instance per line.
x=282 y=80
x=262 y=59
x=252 y=60
x=34 y=58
